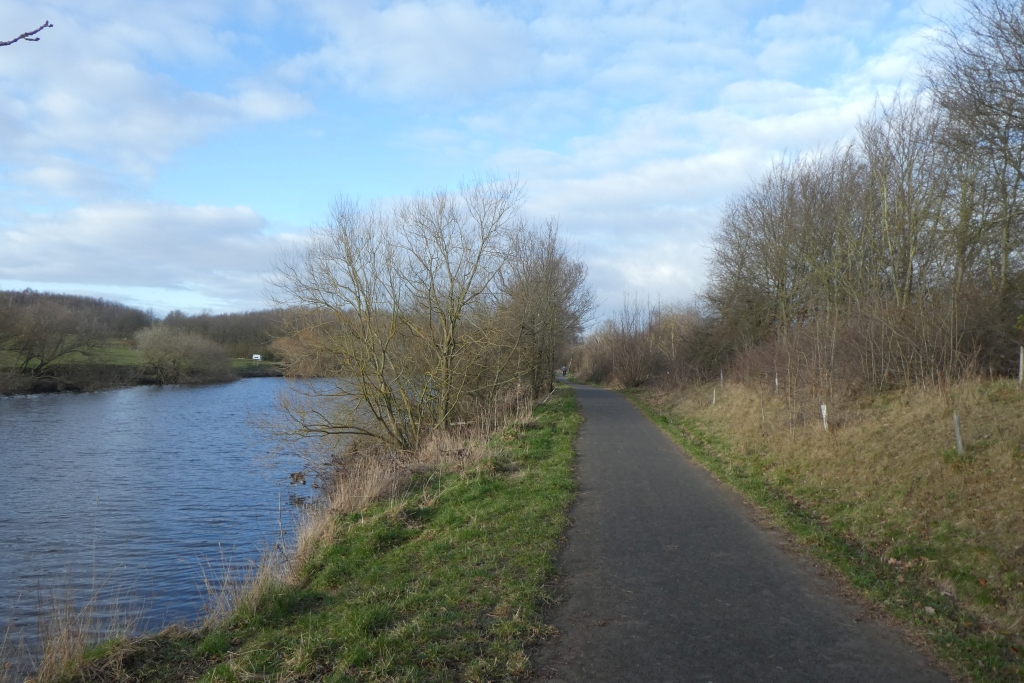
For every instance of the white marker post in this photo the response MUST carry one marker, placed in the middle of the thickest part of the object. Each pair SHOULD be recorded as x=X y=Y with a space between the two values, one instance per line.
x=824 y=416
x=959 y=438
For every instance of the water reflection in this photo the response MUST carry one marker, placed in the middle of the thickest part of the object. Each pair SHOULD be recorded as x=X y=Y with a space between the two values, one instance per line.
x=136 y=491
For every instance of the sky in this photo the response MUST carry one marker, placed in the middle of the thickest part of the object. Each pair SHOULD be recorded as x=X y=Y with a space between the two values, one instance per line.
x=166 y=154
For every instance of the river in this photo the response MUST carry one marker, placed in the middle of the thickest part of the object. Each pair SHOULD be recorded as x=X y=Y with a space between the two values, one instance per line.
x=129 y=497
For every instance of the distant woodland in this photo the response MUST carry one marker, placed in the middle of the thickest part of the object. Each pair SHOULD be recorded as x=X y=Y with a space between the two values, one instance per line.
x=61 y=341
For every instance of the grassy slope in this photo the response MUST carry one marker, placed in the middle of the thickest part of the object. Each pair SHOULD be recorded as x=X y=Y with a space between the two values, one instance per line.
x=932 y=538
x=115 y=364
x=113 y=352
x=445 y=585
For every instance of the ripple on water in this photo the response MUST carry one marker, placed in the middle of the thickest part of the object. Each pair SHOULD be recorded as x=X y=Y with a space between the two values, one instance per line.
x=131 y=492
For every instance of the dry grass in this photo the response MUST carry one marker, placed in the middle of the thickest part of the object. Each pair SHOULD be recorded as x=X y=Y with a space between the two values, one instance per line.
x=67 y=628
x=888 y=473
x=367 y=474
x=12 y=649
x=229 y=586
x=372 y=473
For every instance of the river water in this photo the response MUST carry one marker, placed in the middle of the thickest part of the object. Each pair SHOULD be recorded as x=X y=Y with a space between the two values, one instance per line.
x=129 y=497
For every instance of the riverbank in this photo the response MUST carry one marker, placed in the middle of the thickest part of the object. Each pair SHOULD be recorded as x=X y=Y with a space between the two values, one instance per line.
x=79 y=377
x=444 y=579
x=930 y=535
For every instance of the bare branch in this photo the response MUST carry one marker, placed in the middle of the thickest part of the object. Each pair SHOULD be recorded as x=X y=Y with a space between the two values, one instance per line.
x=27 y=36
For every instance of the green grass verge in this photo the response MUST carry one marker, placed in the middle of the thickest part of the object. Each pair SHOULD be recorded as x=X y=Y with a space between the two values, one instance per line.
x=244 y=367
x=956 y=636
x=112 y=352
x=446 y=585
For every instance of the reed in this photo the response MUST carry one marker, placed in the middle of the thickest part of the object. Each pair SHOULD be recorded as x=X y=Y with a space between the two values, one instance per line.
x=70 y=623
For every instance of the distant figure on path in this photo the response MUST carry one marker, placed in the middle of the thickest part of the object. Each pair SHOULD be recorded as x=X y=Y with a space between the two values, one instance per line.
x=563 y=370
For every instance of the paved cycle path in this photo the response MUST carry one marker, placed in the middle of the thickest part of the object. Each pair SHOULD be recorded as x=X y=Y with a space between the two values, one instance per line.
x=666 y=577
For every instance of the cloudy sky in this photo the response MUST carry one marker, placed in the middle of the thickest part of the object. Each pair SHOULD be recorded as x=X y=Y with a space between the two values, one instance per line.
x=162 y=153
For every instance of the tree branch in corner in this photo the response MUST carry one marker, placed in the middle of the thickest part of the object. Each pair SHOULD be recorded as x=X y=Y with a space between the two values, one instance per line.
x=28 y=35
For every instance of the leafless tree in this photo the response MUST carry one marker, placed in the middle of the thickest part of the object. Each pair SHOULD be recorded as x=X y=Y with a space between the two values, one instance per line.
x=547 y=302
x=976 y=75
x=893 y=260
x=47 y=333
x=407 y=318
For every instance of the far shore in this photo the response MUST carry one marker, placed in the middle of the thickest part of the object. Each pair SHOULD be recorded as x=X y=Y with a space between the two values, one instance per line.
x=84 y=377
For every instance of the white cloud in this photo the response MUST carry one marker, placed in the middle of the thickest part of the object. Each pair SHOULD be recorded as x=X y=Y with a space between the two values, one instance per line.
x=216 y=252
x=643 y=196
x=631 y=121
x=62 y=177
x=89 y=96
x=406 y=49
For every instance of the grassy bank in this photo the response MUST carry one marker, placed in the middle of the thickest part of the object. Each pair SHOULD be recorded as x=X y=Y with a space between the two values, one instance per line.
x=244 y=367
x=116 y=364
x=442 y=581
x=935 y=537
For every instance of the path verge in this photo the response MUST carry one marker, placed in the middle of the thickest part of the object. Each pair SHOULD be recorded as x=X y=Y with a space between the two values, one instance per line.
x=666 y=577
x=897 y=585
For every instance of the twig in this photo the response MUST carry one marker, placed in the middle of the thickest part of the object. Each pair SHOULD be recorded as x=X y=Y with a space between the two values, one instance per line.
x=27 y=36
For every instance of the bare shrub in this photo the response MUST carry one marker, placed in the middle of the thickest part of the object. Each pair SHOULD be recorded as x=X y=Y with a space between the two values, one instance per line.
x=176 y=356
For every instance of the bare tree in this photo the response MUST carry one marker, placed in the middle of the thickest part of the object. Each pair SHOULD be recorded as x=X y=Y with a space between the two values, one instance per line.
x=547 y=301
x=47 y=333
x=976 y=75
x=893 y=260
x=29 y=36
x=455 y=248
x=400 y=316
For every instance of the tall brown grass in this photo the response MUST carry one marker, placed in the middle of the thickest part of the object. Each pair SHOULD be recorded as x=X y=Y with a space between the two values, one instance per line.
x=68 y=624
x=372 y=472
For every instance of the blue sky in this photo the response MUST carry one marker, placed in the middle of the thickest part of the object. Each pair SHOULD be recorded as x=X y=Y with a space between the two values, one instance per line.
x=163 y=154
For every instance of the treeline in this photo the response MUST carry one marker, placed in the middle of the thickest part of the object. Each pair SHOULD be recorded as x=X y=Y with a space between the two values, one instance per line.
x=241 y=334
x=39 y=331
x=430 y=313
x=57 y=340
x=893 y=260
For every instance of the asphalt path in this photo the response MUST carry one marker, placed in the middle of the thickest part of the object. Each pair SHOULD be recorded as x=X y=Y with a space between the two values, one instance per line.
x=667 y=576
